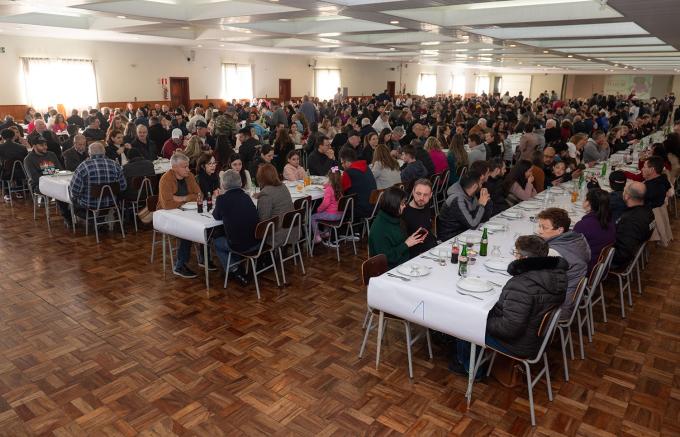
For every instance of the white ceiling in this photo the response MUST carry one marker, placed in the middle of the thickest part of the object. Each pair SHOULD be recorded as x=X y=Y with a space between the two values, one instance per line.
x=507 y=35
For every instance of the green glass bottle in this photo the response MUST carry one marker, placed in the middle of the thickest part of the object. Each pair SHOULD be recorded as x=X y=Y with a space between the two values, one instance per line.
x=604 y=169
x=483 y=246
x=463 y=262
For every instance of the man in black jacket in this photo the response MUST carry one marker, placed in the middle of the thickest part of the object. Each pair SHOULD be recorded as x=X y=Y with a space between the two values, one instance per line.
x=76 y=154
x=10 y=150
x=42 y=133
x=462 y=210
x=248 y=147
x=656 y=182
x=538 y=285
x=136 y=167
x=633 y=228
x=321 y=160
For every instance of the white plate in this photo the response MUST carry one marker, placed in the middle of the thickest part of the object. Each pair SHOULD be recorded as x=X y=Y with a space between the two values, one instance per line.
x=497 y=264
x=494 y=226
x=475 y=235
x=529 y=205
x=189 y=206
x=413 y=270
x=445 y=251
x=511 y=214
x=474 y=285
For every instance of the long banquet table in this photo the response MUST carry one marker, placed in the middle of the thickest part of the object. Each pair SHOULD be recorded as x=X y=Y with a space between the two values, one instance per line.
x=191 y=226
x=432 y=301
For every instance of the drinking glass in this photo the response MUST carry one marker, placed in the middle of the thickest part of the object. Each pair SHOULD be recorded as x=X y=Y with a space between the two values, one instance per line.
x=496 y=251
x=442 y=257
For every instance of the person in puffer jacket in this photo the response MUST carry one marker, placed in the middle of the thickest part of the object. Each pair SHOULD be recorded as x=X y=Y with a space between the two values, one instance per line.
x=538 y=285
x=553 y=226
x=462 y=210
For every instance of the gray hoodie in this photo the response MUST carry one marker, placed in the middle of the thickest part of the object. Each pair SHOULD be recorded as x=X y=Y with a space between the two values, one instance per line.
x=573 y=247
x=592 y=152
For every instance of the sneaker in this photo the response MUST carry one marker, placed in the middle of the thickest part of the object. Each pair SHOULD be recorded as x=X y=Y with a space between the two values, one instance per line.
x=329 y=244
x=355 y=237
x=239 y=277
x=19 y=195
x=317 y=239
x=184 y=272
x=211 y=266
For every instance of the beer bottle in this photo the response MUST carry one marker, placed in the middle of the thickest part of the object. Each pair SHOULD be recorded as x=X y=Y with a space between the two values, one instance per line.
x=463 y=262
x=484 y=245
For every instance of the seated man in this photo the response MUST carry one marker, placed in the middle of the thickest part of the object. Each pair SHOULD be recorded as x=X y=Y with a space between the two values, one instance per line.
x=144 y=144
x=248 y=148
x=462 y=210
x=494 y=184
x=238 y=213
x=175 y=142
x=413 y=169
x=321 y=160
x=177 y=187
x=136 y=166
x=42 y=133
x=477 y=149
x=41 y=162
x=76 y=154
x=93 y=132
x=538 y=284
x=357 y=179
x=632 y=228
x=656 y=182
x=617 y=182
x=419 y=214
x=553 y=227
x=98 y=169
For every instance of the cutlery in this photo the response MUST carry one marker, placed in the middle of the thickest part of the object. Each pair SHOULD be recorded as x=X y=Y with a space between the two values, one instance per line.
x=490 y=282
x=430 y=257
x=392 y=275
x=469 y=295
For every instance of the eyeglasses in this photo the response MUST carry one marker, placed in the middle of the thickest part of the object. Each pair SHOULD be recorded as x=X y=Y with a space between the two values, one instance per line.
x=211 y=163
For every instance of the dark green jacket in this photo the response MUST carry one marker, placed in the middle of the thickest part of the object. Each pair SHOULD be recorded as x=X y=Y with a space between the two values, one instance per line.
x=387 y=237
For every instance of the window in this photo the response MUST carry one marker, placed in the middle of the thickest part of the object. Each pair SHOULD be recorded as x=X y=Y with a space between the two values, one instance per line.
x=427 y=85
x=458 y=84
x=237 y=82
x=326 y=83
x=482 y=85
x=53 y=82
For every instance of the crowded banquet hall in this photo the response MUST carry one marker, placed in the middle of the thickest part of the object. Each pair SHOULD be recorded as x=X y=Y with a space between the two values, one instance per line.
x=339 y=217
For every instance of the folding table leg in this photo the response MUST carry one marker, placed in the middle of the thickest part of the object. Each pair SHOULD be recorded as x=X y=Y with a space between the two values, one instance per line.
x=471 y=373
x=205 y=265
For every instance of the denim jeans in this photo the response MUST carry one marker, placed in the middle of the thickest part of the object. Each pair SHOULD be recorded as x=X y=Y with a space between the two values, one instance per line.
x=463 y=351
x=183 y=252
x=222 y=248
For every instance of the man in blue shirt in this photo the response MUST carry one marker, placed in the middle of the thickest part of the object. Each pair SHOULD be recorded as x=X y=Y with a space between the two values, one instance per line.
x=98 y=169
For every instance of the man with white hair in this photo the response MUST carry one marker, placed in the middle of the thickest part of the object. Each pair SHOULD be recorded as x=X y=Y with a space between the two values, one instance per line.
x=74 y=156
x=144 y=143
x=239 y=215
x=552 y=133
x=382 y=122
x=198 y=115
x=366 y=127
x=98 y=169
x=479 y=128
x=175 y=188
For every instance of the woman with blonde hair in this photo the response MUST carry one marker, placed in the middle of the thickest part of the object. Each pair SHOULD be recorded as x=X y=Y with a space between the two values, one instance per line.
x=193 y=151
x=385 y=168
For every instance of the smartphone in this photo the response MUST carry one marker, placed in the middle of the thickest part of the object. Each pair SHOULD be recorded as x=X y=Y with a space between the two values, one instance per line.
x=421 y=232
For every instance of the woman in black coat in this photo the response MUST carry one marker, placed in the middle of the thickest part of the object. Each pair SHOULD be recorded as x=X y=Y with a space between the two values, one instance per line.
x=538 y=285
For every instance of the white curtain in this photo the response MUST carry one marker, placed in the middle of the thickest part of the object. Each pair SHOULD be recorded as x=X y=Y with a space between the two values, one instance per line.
x=427 y=85
x=237 y=82
x=52 y=82
x=482 y=85
x=458 y=84
x=326 y=83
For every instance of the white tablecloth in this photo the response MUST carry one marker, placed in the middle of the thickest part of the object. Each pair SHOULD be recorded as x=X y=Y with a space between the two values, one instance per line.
x=433 y=301
x=56 y=186
x=187 y=225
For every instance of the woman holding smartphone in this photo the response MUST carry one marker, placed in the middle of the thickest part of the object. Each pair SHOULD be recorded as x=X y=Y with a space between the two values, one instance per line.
x=386 y=235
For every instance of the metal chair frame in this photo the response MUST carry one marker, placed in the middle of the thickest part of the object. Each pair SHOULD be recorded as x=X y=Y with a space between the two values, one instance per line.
x=21 y=185
x=347 y=220
x=564 y=327
x=141 y=184
x=292 y=220
x=99 y=191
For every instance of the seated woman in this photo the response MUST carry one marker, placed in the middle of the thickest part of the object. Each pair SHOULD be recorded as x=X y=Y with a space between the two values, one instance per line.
x=206 y=176
x=273 y=199
x=538 y=284
x=265 y=156
x=597 y=225
x=519 y=184
x=293 y=171
x=385 y=168
x=386 y=235
x=433 y=147
x=236 y=164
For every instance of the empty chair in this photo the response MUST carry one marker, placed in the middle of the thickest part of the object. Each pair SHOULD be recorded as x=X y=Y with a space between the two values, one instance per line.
x=374 y=200
x=376 y=266
x=13 y=179
x=305 y=203
x=292 y=221
x=564 y=326
x=595 y=281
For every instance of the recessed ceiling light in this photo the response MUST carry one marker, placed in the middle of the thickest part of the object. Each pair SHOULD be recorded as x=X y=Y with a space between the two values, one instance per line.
x=121 y=17
x=392 y=48
x=429 y=43
x=186 y=27
x=570 y=56
x=616 y=65
x=248 y=31
x=199 y=46
x=330 y=34
x=221 y=45
x=394 y=22
x=538 y=65
x=513 y=45
x=136 y=37
x=520 y=63
x=546 y=51
x=588 y=59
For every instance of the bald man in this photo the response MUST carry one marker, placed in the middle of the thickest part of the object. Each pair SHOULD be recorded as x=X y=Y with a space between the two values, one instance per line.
x=633 y=227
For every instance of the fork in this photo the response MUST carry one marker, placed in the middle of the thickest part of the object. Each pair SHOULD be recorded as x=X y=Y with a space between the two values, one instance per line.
x=392 y=275
x=469 y=295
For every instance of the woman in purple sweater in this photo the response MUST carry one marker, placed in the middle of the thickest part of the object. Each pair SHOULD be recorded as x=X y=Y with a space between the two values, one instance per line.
x=597 y=225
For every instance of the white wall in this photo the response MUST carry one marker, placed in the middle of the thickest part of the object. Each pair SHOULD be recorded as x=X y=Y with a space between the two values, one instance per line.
x=542 y=82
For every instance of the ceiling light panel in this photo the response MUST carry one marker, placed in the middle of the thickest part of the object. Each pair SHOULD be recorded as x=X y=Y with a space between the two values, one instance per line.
x=609 y=42
x=509 y=11
x=396 y=38
x=618 y=49
x=574 y=30
x=319 y=24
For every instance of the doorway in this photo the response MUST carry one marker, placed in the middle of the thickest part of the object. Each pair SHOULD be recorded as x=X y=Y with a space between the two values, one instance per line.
x=391 y=87
x=497 y=81
x=179 y=92
x=284 y=90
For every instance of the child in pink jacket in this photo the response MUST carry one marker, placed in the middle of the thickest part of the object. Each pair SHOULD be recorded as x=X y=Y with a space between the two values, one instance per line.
x=328 y=210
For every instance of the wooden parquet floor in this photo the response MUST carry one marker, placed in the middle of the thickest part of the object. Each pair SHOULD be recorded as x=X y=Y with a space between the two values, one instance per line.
x=93 y=341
